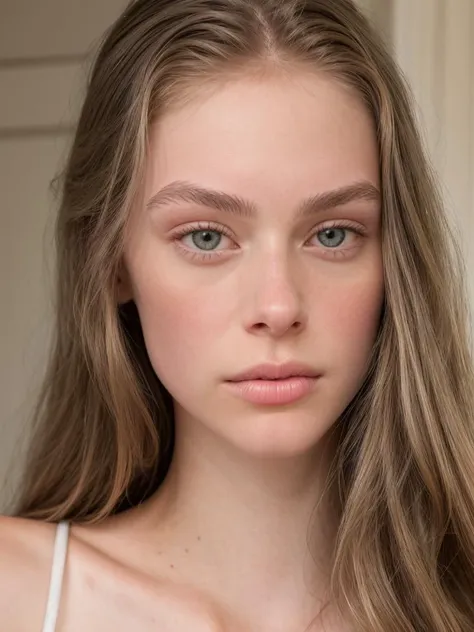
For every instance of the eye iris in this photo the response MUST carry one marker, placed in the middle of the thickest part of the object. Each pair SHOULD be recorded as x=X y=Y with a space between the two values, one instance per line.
x=329 y=234
x=208 y=239
x=212 y=238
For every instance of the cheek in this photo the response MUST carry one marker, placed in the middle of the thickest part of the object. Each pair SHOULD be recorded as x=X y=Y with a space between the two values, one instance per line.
x=351 y=320
x=355 y=314
x=179 y=324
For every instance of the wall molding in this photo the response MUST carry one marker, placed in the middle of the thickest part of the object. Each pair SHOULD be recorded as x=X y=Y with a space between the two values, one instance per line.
x=39 y=131
x=42 y=60
x=40 y=98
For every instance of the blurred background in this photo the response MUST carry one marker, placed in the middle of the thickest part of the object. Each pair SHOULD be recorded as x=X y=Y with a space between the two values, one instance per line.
x=45 y=51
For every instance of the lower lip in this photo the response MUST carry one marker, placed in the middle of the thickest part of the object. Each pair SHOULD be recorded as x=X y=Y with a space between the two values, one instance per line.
x=273 y=392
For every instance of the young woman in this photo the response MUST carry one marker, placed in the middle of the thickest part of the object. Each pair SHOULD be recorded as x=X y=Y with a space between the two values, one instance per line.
x=258 y=414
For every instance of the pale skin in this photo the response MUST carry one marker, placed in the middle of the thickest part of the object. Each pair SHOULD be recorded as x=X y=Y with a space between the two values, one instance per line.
x=223 y=544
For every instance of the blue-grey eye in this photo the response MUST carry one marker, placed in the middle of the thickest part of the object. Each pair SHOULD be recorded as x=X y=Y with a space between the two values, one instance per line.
x=208 y=241
x=329 y=233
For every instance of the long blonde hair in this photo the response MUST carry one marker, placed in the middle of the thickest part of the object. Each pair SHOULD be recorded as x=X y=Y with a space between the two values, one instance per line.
x=103 y=433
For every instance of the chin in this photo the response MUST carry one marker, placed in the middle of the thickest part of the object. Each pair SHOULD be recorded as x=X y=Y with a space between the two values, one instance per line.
x=278 y=434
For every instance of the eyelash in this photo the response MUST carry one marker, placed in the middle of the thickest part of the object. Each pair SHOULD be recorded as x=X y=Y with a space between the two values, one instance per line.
x=209 y=226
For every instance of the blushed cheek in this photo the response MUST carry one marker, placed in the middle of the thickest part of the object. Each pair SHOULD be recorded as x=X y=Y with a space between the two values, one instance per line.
x=353 y=320
x=178 y=326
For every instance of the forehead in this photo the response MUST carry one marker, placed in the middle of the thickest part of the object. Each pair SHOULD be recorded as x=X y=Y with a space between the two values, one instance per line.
x=273 y=134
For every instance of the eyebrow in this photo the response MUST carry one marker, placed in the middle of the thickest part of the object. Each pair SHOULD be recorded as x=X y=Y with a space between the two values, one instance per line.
x=182 y=191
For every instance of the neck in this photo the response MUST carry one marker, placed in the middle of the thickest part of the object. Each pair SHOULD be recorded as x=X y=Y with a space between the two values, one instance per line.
x=256 y=531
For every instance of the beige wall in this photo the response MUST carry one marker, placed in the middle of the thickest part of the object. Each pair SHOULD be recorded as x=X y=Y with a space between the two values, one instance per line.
x=434 y=43
x=43 y=47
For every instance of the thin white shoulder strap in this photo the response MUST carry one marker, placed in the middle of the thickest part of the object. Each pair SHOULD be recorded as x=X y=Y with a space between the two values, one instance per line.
x=57 y=572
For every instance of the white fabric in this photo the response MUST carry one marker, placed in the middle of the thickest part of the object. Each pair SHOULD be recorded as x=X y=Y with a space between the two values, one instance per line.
x=57 y=572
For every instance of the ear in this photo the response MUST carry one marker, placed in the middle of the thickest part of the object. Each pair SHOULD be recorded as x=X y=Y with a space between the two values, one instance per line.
x=123 y=285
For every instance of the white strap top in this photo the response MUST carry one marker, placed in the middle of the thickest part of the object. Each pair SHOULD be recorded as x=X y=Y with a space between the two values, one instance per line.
x=57 y=572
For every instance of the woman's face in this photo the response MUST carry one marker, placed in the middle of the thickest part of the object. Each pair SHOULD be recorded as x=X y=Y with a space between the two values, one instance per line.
x=220 y=290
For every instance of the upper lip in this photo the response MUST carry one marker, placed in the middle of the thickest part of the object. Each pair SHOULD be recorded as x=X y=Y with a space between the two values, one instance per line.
x=275 y=372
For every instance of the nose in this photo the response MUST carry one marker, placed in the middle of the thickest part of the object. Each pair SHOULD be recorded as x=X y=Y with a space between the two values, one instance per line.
x=275 y=301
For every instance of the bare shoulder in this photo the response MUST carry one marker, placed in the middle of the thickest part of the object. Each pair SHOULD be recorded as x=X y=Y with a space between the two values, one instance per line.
x=26 y=549
x=104 y=564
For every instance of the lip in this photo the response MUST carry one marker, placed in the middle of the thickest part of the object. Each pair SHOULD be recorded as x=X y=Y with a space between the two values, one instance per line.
x=273 y=392
x=274 y=384
x=276 y=372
